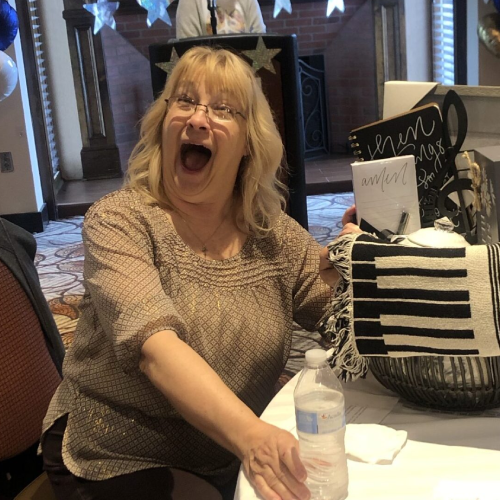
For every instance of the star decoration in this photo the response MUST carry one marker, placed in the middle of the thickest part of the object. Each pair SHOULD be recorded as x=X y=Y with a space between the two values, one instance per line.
x=157 y=9
x=169 y=65
x=261 y=56
x=334 y=4
x=103 y=12
x=282 y=4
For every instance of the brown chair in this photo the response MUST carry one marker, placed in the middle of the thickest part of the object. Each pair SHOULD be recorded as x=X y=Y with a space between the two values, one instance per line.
x=28 y=379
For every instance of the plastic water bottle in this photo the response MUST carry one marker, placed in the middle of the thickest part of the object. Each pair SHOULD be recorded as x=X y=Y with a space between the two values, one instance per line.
x=320 y=415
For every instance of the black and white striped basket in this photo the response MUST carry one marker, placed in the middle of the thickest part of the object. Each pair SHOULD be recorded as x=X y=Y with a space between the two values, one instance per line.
x=401 y=303
x=442 y=382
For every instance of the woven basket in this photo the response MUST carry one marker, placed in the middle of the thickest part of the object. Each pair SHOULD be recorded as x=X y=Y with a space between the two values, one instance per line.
x=442 y=382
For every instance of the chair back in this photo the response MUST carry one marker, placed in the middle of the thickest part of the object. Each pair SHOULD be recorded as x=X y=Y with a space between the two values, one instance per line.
x=28 y=376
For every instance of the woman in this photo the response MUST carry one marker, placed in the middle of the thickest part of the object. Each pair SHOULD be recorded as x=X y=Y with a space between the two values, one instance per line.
x=233 y=16
x=193 y=276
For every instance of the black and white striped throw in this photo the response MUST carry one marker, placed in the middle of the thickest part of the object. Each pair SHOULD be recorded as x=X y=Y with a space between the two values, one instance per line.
x=398 y=301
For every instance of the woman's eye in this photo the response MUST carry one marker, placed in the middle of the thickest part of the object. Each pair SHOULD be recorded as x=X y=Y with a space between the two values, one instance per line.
x=184 y=99
x=222 y=108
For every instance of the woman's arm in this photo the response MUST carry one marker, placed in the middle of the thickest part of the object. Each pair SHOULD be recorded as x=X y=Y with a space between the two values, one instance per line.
x=327 y=272
x=269 y=455
x=313 y=271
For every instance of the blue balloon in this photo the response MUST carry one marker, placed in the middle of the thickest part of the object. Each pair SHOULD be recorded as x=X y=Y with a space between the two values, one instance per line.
x=9 y=24
x=497 y=4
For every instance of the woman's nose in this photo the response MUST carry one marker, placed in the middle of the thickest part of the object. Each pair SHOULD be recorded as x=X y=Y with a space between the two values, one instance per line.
x=199 y=118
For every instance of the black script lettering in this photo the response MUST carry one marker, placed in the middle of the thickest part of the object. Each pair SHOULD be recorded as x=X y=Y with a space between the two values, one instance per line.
x=383 y=179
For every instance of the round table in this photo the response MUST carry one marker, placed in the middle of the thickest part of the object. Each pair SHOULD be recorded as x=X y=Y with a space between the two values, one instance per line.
x=446 y=457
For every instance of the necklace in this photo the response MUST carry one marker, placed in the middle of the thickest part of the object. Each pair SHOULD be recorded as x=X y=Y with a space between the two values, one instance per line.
x=204 y=247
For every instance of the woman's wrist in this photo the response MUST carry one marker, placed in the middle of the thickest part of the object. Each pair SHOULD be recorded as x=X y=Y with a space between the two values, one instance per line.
x=245 y=434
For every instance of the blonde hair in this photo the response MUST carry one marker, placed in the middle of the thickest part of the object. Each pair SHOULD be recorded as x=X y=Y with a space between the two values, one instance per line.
x=259 y=189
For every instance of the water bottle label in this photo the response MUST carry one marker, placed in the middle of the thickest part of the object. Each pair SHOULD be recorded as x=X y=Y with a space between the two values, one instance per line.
x=322 y=422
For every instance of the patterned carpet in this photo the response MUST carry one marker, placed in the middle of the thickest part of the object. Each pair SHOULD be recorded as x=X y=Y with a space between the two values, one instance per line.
x=59 y=262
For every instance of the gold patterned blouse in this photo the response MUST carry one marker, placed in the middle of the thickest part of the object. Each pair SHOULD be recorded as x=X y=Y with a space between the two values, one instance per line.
x=141 y=278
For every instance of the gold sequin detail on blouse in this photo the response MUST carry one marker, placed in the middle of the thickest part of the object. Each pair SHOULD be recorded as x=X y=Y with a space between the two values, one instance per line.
x=140 y=278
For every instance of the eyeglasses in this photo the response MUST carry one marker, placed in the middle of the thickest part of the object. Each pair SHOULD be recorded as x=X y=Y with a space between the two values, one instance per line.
x=187 y=106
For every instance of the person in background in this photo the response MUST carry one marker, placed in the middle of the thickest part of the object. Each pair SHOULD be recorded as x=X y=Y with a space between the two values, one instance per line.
x=233 y=16
x=193 y=277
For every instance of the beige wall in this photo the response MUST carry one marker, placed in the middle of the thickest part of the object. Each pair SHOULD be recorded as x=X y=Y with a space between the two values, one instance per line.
x=65 y=112
x=483 y=68
x=20 y=190
x=418 y=40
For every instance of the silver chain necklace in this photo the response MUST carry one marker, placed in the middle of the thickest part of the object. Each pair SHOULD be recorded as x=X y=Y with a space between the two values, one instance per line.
x=204 y=247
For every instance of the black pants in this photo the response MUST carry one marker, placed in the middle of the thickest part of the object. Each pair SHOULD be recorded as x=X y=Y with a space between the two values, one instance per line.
x=149 y=484
x=17 y=472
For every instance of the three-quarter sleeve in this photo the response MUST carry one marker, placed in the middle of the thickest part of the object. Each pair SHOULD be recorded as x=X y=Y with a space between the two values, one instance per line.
x=123 y=280
x=402 y=301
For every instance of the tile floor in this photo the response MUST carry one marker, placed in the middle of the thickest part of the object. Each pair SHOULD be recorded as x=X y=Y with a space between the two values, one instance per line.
x=329 y=175
x=324 y=214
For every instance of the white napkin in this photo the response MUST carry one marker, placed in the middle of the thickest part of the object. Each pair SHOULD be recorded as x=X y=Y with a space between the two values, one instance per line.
x=373 y=443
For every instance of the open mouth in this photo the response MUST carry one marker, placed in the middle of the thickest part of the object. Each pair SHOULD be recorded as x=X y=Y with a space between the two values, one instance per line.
x=194 y=157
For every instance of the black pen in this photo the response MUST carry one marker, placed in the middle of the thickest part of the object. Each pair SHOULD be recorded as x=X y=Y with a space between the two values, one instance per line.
x=403 y=222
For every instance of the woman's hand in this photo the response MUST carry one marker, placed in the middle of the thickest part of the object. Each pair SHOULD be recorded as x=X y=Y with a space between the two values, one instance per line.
x=348 y=222
x=349 y=215
x=270 y=457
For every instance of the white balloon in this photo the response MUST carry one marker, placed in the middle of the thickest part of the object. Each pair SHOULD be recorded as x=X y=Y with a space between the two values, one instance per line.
x=8 y=75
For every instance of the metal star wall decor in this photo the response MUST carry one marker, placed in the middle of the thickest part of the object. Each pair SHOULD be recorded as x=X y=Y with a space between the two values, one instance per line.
x=334 y=4
x=157 y=9
x=262 y=56
x=169 y=65
x=103 y=12
x=282 y=4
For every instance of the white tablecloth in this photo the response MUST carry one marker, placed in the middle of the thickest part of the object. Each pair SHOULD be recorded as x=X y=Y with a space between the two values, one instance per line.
x=446 y=457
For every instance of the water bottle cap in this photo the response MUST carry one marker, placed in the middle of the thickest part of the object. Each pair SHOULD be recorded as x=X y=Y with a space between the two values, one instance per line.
x=316 y=356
